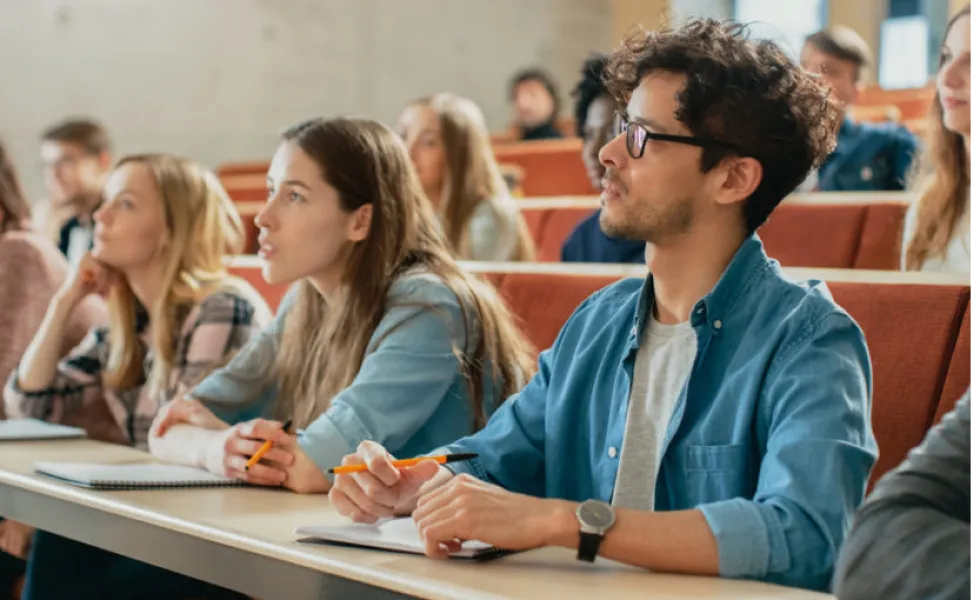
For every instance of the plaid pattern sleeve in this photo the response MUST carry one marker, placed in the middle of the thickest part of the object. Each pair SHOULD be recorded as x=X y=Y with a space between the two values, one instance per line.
x=213 y=332
x=77 y=381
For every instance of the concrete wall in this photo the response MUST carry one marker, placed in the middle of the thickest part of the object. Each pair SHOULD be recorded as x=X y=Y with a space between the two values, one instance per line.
x=216 y=80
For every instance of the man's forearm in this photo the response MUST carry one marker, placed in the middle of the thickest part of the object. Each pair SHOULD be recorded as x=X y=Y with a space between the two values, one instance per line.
x=673 y=542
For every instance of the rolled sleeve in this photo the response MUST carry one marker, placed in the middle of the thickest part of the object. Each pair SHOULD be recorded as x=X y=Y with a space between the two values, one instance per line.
x=819 y=452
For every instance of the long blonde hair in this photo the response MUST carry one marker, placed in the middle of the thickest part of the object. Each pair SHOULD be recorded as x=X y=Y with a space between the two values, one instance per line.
x=204 y=227
x=325 y=339
x=941 y=179
x=472 y=175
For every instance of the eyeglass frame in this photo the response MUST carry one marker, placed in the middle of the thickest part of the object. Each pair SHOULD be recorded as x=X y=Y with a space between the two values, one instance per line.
x=623 y=124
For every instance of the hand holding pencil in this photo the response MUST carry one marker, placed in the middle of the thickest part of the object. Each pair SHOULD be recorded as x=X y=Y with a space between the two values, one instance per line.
x=372 y=485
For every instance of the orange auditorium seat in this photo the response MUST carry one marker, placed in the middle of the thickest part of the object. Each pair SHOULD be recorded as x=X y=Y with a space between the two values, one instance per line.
x=959 y=371
x=550 y=167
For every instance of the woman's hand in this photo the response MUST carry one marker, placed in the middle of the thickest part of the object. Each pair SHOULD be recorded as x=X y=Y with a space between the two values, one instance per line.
x=229 y=453
x=89 y=277
x=185 y=411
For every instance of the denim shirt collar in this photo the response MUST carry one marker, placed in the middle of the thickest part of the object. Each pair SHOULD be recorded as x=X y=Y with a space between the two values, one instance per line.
x=716 y=307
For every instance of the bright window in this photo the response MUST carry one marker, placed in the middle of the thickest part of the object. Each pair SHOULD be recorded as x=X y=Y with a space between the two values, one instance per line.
x=786 y=22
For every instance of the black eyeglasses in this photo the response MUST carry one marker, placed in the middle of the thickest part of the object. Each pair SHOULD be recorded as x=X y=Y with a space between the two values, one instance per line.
x=638 y=135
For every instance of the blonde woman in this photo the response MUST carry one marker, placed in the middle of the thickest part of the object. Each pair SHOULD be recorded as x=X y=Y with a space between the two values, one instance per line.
x=384 y=337
x=160 y=240
x=937 y=234
x=448 y=143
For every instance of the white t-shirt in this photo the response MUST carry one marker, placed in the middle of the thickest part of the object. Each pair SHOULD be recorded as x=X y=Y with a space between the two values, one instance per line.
x=664 y=361
x=957 y=255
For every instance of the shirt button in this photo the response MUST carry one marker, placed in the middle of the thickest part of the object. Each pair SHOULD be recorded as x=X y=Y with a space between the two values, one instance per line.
x=612 y=452
x=717 y=324
x=633 y=330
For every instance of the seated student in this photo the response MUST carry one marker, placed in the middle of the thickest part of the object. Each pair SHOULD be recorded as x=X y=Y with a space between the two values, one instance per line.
x=595 y=116
x=910 y=537
x=449 y=146
x=535 y=104
x=868 y=156
x=77 y=157
x=384 y=336
x=937 y=231
x=31 y=270
x=722 y=408
x=161 y=238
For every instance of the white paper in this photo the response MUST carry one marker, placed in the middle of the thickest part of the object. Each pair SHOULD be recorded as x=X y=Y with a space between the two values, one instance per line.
x=394 y=534
x=33 y=429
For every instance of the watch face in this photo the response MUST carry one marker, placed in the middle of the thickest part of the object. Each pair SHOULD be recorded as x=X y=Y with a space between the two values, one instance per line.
x=596 y=514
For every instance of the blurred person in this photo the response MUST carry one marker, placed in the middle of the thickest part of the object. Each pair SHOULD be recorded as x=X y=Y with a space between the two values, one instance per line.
x=868 y=156
x=937 y=231
x=536 y=105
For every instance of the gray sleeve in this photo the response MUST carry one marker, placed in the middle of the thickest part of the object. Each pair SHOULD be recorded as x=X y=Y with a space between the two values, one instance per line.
x=493 y=232
x=910 y=539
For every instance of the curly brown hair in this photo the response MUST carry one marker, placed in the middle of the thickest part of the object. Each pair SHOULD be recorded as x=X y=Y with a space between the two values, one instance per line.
x=745 y=92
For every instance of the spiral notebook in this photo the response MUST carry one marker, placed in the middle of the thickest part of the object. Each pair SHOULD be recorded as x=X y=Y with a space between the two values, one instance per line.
x=139 y=476
x=396 y=535
x=23 y=430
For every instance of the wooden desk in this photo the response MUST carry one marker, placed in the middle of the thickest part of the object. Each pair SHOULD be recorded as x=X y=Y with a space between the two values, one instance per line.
x=243 y=539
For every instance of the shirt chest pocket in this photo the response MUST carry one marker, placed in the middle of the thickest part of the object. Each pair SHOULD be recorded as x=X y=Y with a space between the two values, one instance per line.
x=712 y=473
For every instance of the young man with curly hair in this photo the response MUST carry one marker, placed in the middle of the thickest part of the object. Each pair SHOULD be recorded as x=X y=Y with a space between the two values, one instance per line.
x=713 y=418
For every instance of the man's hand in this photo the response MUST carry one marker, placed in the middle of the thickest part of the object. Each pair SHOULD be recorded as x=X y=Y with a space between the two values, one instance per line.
x=466 y=508
x=383 y=490
x=15 y=538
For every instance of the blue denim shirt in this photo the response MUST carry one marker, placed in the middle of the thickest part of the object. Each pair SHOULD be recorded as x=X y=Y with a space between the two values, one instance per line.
x=409 y=394
x=770 y=437
x=868 y=157
x=588 y=243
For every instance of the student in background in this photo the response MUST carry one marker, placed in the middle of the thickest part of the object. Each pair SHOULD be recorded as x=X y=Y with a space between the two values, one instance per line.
x=868 y=156
x=937 y=232
x=701 y=401
x=536 y=105
x=910 y=537
x=449 y=147
x=161 y=238
x=383 y=337
x=596 y=117
x=31 y=270
x=77 y=158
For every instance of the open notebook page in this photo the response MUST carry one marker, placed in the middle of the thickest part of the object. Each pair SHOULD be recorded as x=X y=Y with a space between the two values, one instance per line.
x=399 y=535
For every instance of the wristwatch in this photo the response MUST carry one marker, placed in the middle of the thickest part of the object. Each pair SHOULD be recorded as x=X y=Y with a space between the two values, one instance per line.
x=595 y=518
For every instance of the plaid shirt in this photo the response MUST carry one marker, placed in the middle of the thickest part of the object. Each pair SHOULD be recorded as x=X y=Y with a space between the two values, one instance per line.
x=212 y=331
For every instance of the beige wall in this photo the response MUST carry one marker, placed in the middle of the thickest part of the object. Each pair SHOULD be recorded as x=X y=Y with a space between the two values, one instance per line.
x=626 y=14
x=956 y=5
x=217 y=80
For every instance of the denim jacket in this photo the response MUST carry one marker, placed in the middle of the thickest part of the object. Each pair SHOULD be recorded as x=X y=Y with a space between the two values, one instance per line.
x=770 y=437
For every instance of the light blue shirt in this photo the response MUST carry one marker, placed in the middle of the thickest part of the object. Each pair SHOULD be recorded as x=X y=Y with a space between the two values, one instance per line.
x=770 y=437
x=409 y=395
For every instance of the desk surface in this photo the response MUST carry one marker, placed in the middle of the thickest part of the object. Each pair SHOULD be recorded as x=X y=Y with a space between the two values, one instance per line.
x=259 y=523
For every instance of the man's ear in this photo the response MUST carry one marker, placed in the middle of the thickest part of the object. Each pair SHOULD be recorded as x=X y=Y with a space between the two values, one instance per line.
x=104 y=160
x=742 y=177
x=359 y=227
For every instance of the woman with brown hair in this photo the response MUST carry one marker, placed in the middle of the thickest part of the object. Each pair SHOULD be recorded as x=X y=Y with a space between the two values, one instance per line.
x=937 y=234
x=448 y=143
x=383 y=337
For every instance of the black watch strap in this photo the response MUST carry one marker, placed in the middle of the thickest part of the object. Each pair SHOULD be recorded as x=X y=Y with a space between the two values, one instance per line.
x=589 y=546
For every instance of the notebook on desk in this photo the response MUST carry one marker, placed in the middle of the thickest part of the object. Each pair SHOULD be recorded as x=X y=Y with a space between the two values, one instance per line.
x=139 y=476
x=23 y=430
x=396 y=535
